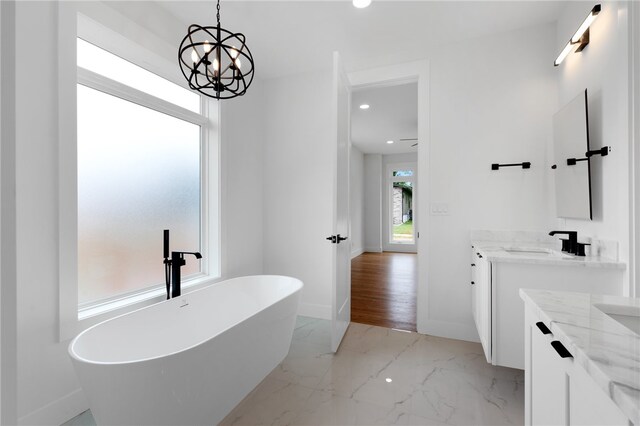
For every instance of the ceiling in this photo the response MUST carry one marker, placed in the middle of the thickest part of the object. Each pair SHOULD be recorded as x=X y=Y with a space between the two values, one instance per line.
x=288 y=37
x=392 y=115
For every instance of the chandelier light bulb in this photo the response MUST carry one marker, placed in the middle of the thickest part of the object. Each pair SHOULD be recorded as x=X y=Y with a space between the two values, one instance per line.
x=216 y=65
x=194 y=56
x=233 y=52
x=207 y=46
x=361 y=4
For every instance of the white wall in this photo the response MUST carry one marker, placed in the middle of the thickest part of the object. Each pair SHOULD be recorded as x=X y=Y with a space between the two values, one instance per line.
x=601 y=68
x=384 y=223
x=491 y=101
x=356 y=204
x=44 y=370
x=242 y=124
x=297 y=184
x=372 y=202
x=48 y=392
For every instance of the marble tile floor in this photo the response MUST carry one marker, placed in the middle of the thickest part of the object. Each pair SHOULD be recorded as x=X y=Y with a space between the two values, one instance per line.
x=379 y=376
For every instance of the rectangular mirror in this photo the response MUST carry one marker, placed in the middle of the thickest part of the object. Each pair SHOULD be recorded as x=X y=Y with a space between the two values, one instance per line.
x=572 y=172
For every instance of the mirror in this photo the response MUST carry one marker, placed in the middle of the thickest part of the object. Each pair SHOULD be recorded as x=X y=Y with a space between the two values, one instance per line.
x=572 y=173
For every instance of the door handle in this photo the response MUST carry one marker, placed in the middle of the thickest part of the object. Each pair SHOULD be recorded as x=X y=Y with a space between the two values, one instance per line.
x=543 y=328
x=333 y=239
x=562 y=351
x=339 y=238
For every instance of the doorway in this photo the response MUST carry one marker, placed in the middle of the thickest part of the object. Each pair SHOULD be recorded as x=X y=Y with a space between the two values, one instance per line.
x=384 y=205
x=400 y=207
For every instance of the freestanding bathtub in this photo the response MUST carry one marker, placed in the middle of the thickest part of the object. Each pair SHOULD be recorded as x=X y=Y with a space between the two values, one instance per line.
x=191 y=359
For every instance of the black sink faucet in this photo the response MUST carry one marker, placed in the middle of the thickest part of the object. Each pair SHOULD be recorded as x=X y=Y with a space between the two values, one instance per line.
x=569 y=245
x=173 y=266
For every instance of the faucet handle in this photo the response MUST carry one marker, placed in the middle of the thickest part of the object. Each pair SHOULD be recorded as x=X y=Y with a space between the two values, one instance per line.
x=580 y=248
x=182 y=253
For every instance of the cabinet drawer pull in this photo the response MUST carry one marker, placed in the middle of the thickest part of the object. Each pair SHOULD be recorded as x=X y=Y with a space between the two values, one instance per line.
x=562 y=351
x=543 y=328
x=473 y=264
x=473 y=282
x=479 y=255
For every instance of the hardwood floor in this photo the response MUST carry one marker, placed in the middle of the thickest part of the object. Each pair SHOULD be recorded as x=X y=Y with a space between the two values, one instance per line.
x=383 y=290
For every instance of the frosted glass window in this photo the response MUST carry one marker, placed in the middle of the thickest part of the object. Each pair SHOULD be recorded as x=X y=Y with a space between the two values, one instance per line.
x=138 y=173
x=100 y=61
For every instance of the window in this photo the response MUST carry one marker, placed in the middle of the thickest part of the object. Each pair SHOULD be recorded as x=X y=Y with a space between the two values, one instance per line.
x=402 y=173
x=142 y=164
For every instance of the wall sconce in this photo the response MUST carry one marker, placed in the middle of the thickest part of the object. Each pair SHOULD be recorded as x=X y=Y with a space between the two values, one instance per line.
x=580 y=38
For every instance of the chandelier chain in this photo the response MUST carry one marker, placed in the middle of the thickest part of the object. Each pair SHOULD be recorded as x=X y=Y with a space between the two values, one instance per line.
x=218 y=14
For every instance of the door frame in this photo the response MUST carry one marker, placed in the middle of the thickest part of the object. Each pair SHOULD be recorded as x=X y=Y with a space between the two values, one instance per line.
x=634 y=148
x=8 y=265
x=411 y=72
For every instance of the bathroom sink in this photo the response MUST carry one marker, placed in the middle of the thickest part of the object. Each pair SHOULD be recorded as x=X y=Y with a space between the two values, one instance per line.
x=628 y=316
x=536 y=251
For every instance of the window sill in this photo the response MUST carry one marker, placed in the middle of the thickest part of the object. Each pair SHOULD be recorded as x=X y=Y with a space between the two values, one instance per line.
x=139 y=300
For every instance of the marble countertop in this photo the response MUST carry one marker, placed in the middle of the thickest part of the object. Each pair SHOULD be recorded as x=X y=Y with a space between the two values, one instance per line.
x=608 y=351
x=539 y=253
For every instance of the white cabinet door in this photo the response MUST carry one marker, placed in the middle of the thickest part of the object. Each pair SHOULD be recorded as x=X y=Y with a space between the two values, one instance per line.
x=474 y=279
x=483 y=303
x=589 y=405
x=549 y=381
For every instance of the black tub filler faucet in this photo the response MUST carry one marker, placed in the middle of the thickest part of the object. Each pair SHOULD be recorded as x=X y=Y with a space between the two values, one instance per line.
x=172 y=267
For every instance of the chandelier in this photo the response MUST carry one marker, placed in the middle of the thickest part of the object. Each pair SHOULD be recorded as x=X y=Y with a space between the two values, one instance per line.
x=216 y=62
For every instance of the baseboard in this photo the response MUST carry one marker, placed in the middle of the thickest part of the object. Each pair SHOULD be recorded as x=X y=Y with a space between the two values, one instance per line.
x=450 y=330
x=356 y=252
x=373 y=249
x=314 y=310
x=57 y=412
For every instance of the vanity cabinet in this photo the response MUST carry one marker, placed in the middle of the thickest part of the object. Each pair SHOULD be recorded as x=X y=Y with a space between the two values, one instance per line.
x=481 y=300
x=498 y=310
x=558 y=391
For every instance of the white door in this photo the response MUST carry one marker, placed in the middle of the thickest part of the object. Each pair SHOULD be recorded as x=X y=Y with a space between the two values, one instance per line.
x=341 y=295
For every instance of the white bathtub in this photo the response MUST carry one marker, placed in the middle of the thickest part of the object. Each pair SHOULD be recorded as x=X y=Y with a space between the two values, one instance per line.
x=189 y=360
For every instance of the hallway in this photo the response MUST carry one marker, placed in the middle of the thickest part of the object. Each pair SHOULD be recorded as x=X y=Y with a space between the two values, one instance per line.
x=383 y=290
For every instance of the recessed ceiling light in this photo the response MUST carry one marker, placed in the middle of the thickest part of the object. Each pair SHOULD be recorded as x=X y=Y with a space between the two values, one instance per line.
x=364 y=106
x=388 y=380
x=361 y=4
x=389 y=142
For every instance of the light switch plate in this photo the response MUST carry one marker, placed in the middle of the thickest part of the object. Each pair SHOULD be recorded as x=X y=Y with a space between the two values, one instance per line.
x=439 y=209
